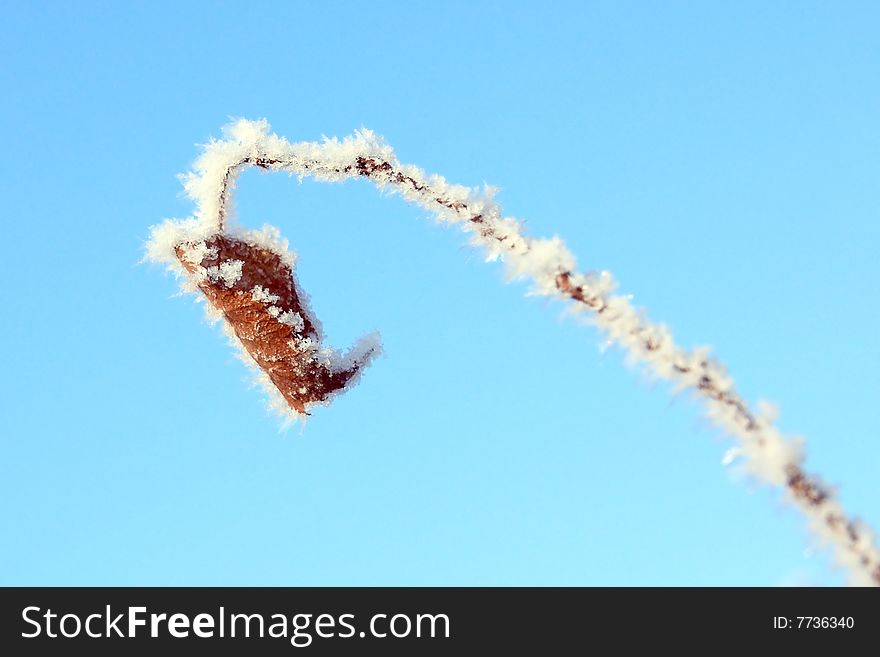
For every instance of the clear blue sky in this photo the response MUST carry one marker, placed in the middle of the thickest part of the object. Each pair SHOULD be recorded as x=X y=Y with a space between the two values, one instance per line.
x=721 y=159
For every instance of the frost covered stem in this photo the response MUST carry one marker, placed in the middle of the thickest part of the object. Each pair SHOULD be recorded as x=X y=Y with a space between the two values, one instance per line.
x=766 y=453
x=364 y=166
x=228 y=178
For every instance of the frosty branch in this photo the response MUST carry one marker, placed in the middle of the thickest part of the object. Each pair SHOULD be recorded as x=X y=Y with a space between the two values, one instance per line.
x=189 y=248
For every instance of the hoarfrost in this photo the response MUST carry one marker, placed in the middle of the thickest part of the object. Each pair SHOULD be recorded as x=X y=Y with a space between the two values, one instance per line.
x=764 y=451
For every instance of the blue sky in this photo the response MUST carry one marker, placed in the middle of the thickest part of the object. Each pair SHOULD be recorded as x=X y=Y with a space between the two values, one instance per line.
x=721 y=160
